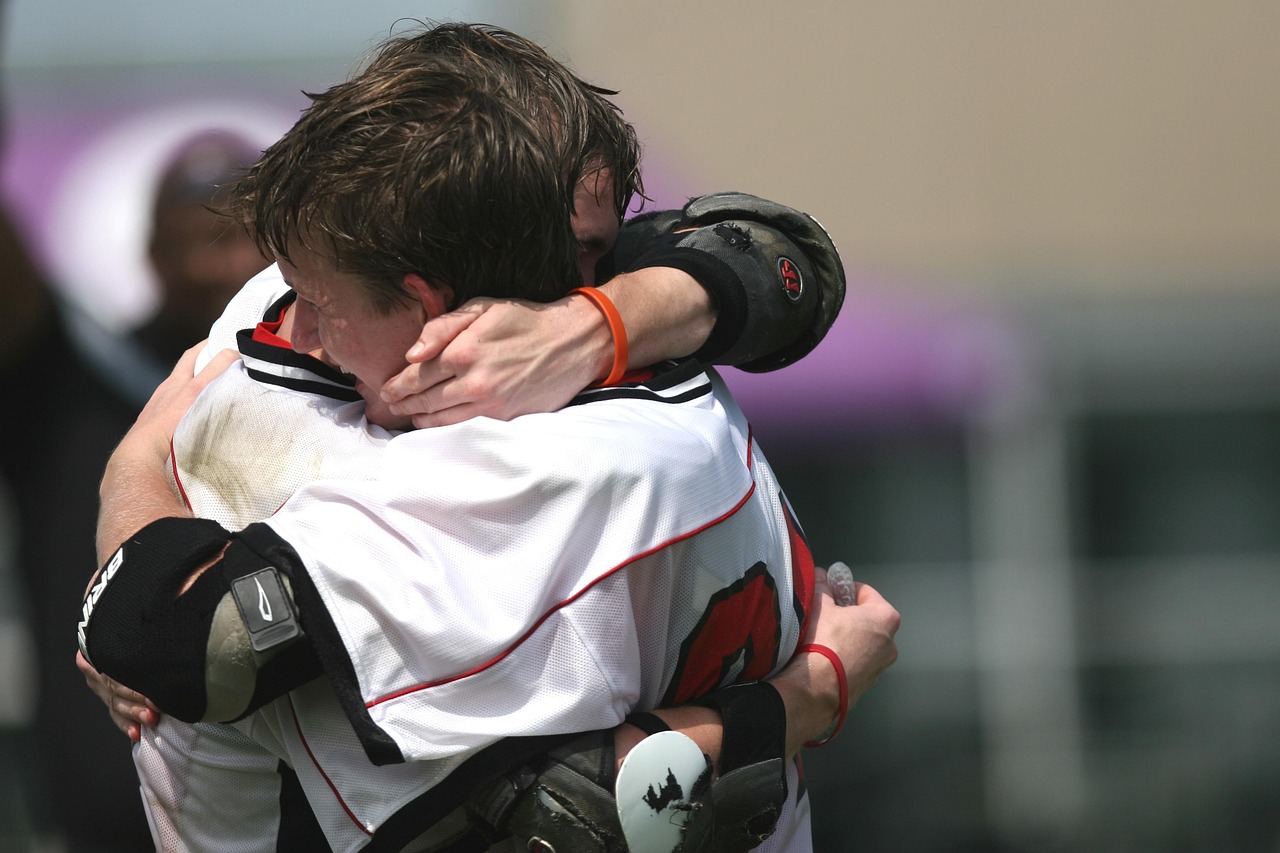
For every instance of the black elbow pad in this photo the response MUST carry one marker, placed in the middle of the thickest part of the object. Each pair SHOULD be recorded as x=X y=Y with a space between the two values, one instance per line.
x=137 y=629
x=134 y=626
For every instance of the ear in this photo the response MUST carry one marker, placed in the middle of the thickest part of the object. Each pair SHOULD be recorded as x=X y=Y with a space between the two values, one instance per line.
x=435 y=299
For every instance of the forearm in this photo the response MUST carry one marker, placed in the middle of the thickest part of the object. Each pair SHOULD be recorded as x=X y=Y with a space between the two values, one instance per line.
x=134 y=492
x=666 y=313
x=809 y=693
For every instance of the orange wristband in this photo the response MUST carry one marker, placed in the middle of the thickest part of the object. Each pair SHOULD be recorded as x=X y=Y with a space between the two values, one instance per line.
x=616 y=329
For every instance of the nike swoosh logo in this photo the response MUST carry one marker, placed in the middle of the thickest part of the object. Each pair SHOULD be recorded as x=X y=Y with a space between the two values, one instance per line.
x=264 y=605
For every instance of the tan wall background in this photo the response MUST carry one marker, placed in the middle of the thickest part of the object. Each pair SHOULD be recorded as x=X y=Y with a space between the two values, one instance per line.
x=1118 y=146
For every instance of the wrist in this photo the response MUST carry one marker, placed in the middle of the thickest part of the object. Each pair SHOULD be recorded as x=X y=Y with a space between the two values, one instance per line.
x=617 y=333
x=842 y=691
x=810 y=691
x=592 y=341
x=667 y=312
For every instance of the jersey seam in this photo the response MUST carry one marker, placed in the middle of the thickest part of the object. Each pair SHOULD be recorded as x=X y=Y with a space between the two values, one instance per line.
x=542 y=620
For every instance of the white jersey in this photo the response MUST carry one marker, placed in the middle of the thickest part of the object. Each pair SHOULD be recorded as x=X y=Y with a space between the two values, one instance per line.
x=492 y=580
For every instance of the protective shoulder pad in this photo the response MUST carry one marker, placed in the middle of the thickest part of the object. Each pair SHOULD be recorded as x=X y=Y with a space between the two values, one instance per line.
x=801 y=229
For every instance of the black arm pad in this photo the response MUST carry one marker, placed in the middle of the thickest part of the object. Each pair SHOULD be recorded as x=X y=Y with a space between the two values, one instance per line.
x=758 y=278
x=778 y=286
x=746 y=799
x=805 y=232
x=135 y=627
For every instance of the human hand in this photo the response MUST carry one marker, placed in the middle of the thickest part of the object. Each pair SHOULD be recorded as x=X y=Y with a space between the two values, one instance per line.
x=135 y=488
x=129 y=709
x=152 y=431
x=857 y=623
x=500 y=358
x=860 y=634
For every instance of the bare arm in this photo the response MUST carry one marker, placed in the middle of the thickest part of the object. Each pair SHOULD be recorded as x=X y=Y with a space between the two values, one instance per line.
x=502 y=357
x=707 y=280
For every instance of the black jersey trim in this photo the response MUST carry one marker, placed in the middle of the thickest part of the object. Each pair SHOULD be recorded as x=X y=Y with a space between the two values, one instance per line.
x=271 y=364
x=275 y=311
x=325 y=641
x=672 y=382
x=309 y=386
x=433 y=805
x=298 y=829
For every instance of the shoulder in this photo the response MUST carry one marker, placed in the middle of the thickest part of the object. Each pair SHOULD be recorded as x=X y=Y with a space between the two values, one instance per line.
x=245 y=310
x=677 y=423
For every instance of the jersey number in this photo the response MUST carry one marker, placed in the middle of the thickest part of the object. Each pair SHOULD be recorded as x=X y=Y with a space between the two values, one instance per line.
x=738 y=636
x=735 y=640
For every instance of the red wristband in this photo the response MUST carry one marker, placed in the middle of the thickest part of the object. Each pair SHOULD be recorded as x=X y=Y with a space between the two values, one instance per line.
x=616 y=329
x=844 y=691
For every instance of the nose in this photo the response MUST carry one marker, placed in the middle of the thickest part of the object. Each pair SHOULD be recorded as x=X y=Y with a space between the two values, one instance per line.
x=305 y=335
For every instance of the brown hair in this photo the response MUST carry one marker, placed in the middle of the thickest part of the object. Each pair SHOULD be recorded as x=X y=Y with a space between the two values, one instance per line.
x=427 y=163
x=592 y=134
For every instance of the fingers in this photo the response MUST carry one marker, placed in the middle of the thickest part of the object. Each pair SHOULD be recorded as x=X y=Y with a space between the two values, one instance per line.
x=129 y=710
x=219 y=364
x=189 y=356
x=409 y=391
x=440 y=331
x=867 y=596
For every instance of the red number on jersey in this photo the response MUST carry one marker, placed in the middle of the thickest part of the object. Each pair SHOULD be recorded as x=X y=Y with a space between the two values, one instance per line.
x=739 y=630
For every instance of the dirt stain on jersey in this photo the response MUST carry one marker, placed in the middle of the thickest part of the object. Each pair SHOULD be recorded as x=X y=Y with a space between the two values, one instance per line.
x=240 y=451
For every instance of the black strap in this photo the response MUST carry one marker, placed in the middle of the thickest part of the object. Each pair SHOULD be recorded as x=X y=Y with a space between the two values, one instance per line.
x=650 y=724
x=755 y=724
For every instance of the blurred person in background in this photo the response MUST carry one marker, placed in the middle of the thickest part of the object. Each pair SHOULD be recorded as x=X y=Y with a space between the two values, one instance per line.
x=196 y=258
x=199 y=258
x=72 y=389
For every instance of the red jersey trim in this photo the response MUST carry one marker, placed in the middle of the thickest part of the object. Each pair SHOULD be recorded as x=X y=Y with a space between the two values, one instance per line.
x=534 y=628
x=177 y=478
x=267 y=332
x=325 y=776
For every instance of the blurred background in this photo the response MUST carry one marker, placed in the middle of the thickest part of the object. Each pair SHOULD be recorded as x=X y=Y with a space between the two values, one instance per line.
x=1046 y=426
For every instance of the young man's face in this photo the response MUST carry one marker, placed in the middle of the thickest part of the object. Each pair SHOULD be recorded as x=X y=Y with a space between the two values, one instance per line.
x=595 y=221
x=332 y=313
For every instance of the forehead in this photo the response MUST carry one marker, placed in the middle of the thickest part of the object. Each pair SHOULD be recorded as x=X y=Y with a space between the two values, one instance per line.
x=313 y=276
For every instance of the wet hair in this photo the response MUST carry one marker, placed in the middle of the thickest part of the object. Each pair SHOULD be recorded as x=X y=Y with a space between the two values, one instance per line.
x=591 y=132
x=425 y=162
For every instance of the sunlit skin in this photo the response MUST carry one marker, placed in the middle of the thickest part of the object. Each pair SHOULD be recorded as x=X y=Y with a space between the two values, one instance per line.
x=595 y=221
x=332 y=314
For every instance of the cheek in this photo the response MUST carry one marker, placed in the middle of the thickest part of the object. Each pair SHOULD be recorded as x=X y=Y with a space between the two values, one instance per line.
x=383 y=347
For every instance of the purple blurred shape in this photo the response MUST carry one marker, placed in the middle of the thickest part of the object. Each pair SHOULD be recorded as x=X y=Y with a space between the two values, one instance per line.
x=893 y=359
